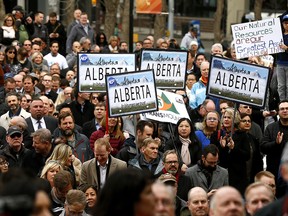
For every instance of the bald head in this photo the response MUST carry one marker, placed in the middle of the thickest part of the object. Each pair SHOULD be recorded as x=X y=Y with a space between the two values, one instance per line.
x=227 y=201
x=198 y=202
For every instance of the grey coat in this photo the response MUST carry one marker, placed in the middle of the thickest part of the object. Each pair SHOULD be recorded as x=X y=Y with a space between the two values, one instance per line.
x=198 y=179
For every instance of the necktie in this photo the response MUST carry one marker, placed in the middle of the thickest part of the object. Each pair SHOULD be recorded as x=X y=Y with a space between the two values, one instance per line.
x=39 y=124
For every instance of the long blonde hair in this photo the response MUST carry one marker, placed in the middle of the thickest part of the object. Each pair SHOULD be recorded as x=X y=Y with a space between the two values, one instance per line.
x=61 y=154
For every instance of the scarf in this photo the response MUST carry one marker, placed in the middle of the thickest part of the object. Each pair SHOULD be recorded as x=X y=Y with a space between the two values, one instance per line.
x=185 y=154
x=8 y=32
x=204 y=80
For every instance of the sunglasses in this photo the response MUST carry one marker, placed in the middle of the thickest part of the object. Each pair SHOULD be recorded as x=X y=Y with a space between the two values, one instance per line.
x=18 y=135
x=10 y=52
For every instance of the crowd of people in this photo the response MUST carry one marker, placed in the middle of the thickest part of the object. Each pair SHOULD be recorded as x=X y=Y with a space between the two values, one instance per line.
x=61 y=154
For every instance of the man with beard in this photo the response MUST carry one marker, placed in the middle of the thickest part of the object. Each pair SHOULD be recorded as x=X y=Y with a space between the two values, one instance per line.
x=171 y=165
x=78 y=142
x=206 y=173
x=15 y=109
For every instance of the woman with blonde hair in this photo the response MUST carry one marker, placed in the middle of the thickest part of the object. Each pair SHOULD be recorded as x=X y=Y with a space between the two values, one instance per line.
x=8 y=31
x=37 y=63
x=63 y=154
x=50 y=170
x=207 y=127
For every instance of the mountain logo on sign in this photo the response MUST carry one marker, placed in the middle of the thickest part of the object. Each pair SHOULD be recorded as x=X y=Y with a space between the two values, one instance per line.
x=165 y=104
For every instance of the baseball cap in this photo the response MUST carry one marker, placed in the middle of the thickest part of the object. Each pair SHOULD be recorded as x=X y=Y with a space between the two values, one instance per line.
x=285 y=18
x=13 y=130
x=167 y=177
x=18 y=8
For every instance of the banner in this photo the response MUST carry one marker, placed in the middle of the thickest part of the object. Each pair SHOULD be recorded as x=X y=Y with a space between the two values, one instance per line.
x=169 y=66
x=92 y=68
x=131 y=93
x=238 y=81
x=171 y=108
x=257 y=38
x=149 y=6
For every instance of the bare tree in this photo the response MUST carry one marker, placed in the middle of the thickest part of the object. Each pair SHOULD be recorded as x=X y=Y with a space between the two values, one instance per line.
x=160 y=22
x=68 y=12
x=258 y=9
x=110 y=16
x=217 y=21
x=125 y=21
x=2 y=11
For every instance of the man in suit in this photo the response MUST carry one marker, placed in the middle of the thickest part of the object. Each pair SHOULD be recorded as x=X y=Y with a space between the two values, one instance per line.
x=98 y=169
x=93 y=125
x=206 y=173
x=38 y=120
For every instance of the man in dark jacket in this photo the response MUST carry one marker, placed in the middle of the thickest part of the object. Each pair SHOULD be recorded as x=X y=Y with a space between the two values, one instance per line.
x=15 y=150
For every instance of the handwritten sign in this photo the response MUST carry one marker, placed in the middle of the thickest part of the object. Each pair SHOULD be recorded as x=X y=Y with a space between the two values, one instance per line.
x=169 y=67
x=92 y=68
x=238 y=81
x=131 y=93
x=257 y=38
x=171 y=108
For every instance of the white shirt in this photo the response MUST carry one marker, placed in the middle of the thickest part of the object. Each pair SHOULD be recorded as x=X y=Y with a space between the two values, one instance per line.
x=35 y=123
x=60 y=59
x=103 y=172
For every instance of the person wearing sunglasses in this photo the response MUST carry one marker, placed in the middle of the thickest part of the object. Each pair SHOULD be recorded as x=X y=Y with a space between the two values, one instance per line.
x=15 y=150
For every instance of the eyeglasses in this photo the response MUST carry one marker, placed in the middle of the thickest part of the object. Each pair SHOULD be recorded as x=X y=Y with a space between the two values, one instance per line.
x=246 y=121
x=51 y=105
x=247 y=107
x=10 y=52
x=9 y=20
x=3 y=163
x=94 y=98
x=171 y=162
x=283 y=108
x=18 y=135
x=212 y=119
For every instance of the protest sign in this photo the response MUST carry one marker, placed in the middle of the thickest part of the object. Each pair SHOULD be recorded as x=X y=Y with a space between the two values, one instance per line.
x=92 y=68
x=257 y=38
x=169 y=67
x=171 y=108
x=131 y=93
x=238 y=81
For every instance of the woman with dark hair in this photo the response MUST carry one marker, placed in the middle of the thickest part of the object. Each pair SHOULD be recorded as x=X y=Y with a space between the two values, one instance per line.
x=255 y=163
x=101 y=41
x=115 y=135
x=185 y=143
x=91 y=198
x=234 y=152
x=12 y=64
x=139 y=199
x=3 y=164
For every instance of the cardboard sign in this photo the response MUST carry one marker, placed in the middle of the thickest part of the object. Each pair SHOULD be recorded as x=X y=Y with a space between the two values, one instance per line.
x=149 y=6
x=257 y=38
x=92 y=68
x=169 y=67
x=171 y=108
x=238 y=81
x=131 y=93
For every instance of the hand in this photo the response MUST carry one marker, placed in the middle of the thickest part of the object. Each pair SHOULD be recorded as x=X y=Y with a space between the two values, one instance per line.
x=283 y=46
x=279 y=138
x=107 y=137
x=266 y=113
x=211 y=193
x=184 y=168
x=223 y=141
x=230 y=143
